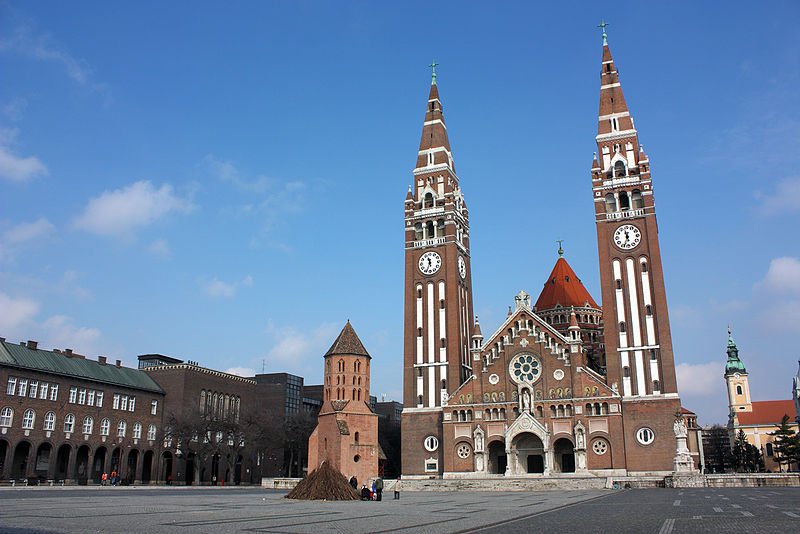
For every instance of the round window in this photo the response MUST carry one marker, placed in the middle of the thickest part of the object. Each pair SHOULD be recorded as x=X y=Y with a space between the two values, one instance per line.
x=431 y=443
x=463 y=451
x=600 y=447
x=645 y=436
x=558 y=374
x=356 y=458
x=525 y=368
x=494 y=379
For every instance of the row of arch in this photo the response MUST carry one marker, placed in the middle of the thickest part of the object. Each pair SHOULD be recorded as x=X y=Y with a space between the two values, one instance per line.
x=69 y=425
x=81 y=464
x=621 y=201
x=220 y=406
x=429 y=230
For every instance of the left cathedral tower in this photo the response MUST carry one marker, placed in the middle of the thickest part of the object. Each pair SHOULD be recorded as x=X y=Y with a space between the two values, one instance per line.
x=438 y=293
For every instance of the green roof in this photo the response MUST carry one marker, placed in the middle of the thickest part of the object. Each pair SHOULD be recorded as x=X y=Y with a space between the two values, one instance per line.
x=46 y=361
x=734 y=364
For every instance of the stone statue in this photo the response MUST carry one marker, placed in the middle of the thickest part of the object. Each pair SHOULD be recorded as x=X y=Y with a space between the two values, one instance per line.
x=526 y=400
x=680 y=427
x=580 y=440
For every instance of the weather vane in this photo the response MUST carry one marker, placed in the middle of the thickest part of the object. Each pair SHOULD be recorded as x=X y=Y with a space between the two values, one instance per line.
x=433 y=72
x=603 y=25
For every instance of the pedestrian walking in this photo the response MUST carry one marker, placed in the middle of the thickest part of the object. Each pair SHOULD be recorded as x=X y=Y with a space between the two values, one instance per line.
x=397 y=488
x=103 y=478
x=379 y=488
x=365 y=493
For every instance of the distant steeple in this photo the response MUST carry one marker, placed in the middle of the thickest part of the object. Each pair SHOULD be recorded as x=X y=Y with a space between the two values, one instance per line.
x=734 y=364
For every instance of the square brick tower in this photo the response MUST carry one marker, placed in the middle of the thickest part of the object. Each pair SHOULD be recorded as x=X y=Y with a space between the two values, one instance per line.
x=638 y=344
x=346 y=435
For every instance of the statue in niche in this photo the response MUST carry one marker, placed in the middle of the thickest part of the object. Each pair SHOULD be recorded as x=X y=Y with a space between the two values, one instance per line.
x=526 y=400
x=485 y=397
x=494 y=396
x=501 y=396
x=595 y=391
x=580 y=439
x=469 y=398
x=568 y=392
x=560 y=393
x=588 y=391
x=551 y=393
x=461 y=399
x=514 y=395
x=538 y=394
x=478 y=440
x=680 y=427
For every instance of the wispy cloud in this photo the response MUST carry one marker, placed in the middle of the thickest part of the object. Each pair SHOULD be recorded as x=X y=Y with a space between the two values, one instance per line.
x=777 y=296
x=218 y=288
x=241 y=371
x=700 y=380
x=28 y=231
x=783 y=276
x=14 y=109
x=16 y=313
x=299 y=350
x=784 y=199
x=121 y=211
x=16 y=168
x=160 y=248
x=26 y=41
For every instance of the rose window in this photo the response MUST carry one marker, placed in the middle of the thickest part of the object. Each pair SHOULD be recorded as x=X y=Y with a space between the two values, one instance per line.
x=525 y=368
x=600 y=447
x=463 y=451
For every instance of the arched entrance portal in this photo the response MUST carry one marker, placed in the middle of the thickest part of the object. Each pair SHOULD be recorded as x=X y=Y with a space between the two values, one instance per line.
x=3 y=452
x=133 y=463
x=99 y=463
x=62 y=462
x=529 y=453
x=166 y=469
x=237 y=470
x=147 y=467
x=42 y=465
x=564 y=454
x=19 y=464
x=82 y=465
x=497 y=458
x=189 y=469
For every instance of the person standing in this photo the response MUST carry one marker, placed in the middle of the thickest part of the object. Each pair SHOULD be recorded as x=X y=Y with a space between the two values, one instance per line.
x=103 y=479
x=379 y=488
x=397 y=488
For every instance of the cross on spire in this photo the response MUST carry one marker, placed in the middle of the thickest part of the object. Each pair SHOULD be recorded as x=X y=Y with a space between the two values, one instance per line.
x=433 y=72
x=603 y=25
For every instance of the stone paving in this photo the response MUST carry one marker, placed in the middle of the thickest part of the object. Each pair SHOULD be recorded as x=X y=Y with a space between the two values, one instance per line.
x=216 y=510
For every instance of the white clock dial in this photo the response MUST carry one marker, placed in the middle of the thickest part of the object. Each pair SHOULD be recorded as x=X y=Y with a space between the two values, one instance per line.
x=462 y=267
x=430 y=262
x=627 y=236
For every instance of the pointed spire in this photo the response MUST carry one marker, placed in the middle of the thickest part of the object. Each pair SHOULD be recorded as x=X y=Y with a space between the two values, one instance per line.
x=734 y=364
x=433 y=72
x=573 y=319
x=347 y=342
x=564 y=288
x=603 y=25
x=434 y=146
x=476 y=330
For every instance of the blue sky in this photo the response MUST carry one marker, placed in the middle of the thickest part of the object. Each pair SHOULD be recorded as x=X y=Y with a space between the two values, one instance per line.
x=224 y=182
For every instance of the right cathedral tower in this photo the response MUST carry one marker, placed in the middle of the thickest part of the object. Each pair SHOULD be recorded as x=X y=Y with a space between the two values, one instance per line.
x=638 y=344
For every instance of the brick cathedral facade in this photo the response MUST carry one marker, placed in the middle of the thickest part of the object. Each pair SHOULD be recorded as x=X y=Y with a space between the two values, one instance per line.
x=561 y=385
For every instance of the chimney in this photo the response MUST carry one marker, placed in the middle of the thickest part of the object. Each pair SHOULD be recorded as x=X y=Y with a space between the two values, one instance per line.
x=32 y=344
x=2 y=340
x=119 y=363
x=68 y=353
x=102 y=360
x=57 y=351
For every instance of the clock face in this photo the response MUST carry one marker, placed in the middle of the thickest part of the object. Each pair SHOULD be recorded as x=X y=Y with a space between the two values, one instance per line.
x=462 y=267
x=627 y=236
x=430 y=262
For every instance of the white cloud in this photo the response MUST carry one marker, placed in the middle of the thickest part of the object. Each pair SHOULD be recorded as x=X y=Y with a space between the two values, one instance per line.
x=241 y=371
x=785 y=198
x=227 y=172
x=15 y=108
x=28 y=231
x=294 y=348
x=783 y=276
x=699 y=380
x=61 y=331
x=121 y=211
x=16 y=313
x=19 y=169
x=160 y=248
x=25 y=41
x=219 y=288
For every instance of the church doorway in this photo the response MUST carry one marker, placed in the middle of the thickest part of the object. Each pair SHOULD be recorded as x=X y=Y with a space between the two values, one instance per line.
x=564 y=455
x=497 y=458
x=529 y=452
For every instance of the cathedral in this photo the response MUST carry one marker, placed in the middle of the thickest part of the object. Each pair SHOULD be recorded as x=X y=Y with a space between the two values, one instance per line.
x=562 y=385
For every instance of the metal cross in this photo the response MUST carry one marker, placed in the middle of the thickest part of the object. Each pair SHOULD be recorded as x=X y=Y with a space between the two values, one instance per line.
x=603 y=25
x=433 y=72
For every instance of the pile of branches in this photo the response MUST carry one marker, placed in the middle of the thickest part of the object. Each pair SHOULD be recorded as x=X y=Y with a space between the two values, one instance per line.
x=324 y=483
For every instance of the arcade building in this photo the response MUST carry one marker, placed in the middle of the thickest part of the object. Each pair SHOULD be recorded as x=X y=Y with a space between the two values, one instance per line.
x=562 y=385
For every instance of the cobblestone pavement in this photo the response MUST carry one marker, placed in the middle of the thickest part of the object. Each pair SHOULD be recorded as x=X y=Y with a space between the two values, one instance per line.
x=216 y=510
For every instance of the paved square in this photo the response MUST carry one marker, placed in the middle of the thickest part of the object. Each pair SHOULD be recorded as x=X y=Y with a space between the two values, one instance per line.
x=216 y=510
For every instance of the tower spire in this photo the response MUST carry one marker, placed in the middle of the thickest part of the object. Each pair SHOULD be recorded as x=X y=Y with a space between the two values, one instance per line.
x=433 y=72
x=603 y=25
x=434 y=146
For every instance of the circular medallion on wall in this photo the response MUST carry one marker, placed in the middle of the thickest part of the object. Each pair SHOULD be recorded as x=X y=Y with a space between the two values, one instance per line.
x=600 y=446
x=627 y=236
x=463 y=451
x=494 y=379
x=558 y=374
x=645 y=435
x=431 y=443
x=525 y=368
x=429 y=263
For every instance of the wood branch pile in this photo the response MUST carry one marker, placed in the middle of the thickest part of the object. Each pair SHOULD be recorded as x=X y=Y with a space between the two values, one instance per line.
x=324 y=483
